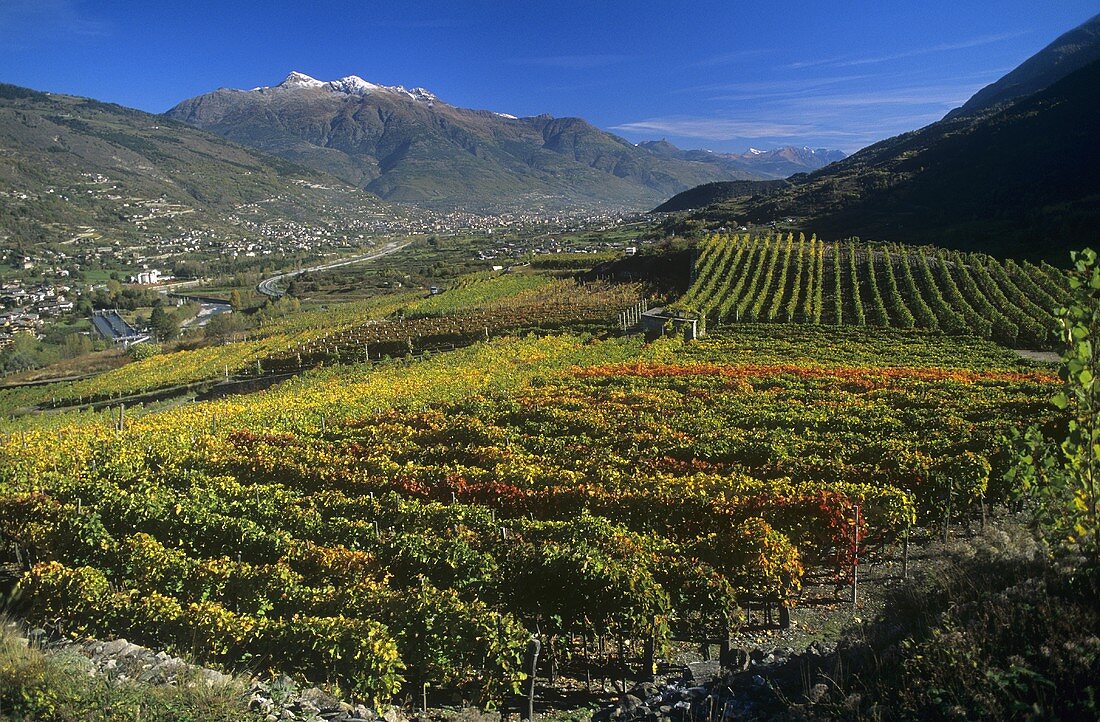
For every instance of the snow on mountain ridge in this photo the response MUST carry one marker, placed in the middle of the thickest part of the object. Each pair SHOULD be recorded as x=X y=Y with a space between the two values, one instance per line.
x=348 y=85
x=352 y=85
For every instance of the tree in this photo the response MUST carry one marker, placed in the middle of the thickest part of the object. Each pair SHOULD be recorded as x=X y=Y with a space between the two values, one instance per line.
x=1064 y=477
x=75 y=344
x=22 y=353
x=282 y=306
x=142 y=351
x=165 y=326
x=225 y=325
x=235 y=300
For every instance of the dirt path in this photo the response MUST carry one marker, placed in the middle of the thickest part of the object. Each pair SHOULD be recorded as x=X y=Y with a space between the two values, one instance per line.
x=1043 y=356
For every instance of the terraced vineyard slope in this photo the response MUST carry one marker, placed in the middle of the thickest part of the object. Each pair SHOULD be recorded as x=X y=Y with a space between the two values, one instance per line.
x=391 y=525
x=740 y=278
x=481 y=306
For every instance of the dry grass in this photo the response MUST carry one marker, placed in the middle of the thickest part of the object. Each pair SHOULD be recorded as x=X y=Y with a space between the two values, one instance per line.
x=57 y=686
x=89 y=363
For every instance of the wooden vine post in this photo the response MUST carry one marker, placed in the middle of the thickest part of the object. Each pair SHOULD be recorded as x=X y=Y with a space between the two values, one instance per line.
x=622 y=662
x=905 y=554
x=947 y=515
x=531 y=663
x=587 y=664
x=855 y=560
x=983 y=509
x=649 y=655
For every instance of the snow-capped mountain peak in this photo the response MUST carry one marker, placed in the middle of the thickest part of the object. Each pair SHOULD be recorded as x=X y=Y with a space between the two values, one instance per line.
x=422 y=94
x=756 y=151
x=350 y=85
x=300 y=80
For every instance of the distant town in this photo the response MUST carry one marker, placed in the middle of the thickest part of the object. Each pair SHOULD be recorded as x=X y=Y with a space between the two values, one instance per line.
x=47 y=285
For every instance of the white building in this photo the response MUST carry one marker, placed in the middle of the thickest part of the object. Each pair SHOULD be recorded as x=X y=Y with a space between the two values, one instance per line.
x=146 y=278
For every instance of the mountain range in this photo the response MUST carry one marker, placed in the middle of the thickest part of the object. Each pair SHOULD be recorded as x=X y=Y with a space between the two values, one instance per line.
x=1008 y=172
x=77 y=167
x=318 y=153
x=408 y=145
x=1012 y=170
x=768 y=164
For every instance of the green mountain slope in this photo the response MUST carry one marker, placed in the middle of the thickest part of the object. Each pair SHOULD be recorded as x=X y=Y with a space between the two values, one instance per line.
x=709 y=193
x=1068 y=53
x=73 y=166
x=1021 y=180
x=411 y=146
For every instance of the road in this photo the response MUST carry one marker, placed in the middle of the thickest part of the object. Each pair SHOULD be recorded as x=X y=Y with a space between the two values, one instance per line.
x=269 y=286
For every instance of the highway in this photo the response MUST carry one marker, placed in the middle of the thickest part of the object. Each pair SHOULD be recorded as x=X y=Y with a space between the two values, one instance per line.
x=269 y=286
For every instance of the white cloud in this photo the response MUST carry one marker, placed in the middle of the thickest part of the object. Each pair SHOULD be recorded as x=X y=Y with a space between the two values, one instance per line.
x=728 y=58
x=850 y=61
x=712 y=128
x=791 y=85
x=800 y=113
x=844 y=111
x=24 y=23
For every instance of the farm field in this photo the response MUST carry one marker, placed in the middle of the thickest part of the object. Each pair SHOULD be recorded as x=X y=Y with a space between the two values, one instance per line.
x=739 y=278
x=473 y=311
x=393 y=325
x=382 y=526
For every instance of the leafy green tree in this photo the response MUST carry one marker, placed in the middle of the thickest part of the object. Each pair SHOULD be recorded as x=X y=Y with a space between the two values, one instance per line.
x=225 y=325
x=141 y=351
x=22 y=353
x=1064 y=477
x=164 y=325
x=76 y=344
x=278 y=308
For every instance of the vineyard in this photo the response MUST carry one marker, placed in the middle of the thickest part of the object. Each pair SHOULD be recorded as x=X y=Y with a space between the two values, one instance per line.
x=509 y=304
x=738 y=278
x=384 y=526
x=387 y=327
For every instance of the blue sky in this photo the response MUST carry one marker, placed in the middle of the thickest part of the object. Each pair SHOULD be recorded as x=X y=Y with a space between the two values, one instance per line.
x=718 y=75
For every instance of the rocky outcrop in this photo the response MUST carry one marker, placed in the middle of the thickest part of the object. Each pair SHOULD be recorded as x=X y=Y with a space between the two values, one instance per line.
x=756 y=685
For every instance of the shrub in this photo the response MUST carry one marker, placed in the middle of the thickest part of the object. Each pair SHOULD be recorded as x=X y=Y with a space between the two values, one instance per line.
x=142 y=351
